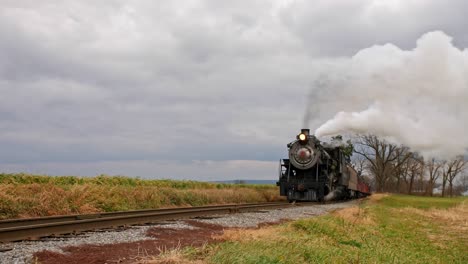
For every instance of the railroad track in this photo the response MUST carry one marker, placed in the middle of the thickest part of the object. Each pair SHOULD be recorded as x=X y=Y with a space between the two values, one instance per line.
x=34 y=228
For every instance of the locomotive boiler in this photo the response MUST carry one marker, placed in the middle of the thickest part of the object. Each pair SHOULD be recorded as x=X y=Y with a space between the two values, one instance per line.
x=318 y=171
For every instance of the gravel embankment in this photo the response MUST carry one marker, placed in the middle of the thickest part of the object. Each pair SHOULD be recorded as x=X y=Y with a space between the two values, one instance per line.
x=22 y=251
x=253 y=219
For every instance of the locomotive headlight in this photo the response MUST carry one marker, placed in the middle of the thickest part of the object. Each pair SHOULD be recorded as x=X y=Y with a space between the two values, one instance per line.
x=302 y=137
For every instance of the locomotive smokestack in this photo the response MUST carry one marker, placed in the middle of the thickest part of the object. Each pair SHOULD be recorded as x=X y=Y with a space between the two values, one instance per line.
x=305 y=131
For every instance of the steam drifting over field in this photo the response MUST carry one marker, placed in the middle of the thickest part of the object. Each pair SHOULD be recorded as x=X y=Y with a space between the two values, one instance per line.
x=417 y=97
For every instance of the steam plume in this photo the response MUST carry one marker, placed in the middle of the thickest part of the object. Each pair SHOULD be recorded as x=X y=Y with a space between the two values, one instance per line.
x=417 y=97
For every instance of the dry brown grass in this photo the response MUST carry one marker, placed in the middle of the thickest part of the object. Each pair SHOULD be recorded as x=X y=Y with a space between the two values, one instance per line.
x=355 y=215
x=375 y=197
x=453 y=222
x=178 y=256
x=170 y=256
x=269 y=232
x=33 y=200
x=455 y=217
x=360 y=214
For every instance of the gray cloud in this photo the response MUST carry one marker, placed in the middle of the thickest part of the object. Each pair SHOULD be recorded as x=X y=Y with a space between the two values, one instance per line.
x=103 y=86
x=338 y=28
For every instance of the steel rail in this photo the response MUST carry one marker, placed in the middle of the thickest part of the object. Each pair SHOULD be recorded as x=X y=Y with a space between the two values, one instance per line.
x=62 y=218
x=23 y=229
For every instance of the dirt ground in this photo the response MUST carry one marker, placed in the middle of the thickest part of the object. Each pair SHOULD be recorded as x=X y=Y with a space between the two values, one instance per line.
x=163 y=239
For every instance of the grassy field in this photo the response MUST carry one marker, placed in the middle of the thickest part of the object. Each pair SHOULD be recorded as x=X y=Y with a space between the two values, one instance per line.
x=383 y=229
x=24 y=195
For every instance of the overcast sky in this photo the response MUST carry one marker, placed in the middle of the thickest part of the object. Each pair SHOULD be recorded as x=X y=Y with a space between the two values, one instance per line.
x=205 y=90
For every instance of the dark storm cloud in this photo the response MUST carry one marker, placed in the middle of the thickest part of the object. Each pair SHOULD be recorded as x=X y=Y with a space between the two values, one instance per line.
x=123 y=84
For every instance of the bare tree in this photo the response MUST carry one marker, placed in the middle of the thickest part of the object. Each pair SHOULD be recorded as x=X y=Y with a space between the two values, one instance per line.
x=433 y=169
x=401 y=166
x=421 y=175
x=446 y=170
x=450 y=171
x=384 y=158
x=359 y=163
x=411 y=170
x=457 y=166
x=463 y=182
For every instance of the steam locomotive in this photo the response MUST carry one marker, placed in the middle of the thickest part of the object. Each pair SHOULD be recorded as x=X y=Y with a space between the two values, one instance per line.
x=318 y=171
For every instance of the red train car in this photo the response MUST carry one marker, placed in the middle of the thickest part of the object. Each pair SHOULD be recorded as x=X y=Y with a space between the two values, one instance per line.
x=357 y=187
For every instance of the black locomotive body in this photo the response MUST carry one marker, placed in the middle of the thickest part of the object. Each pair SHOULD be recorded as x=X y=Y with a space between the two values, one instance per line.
x=318 y=172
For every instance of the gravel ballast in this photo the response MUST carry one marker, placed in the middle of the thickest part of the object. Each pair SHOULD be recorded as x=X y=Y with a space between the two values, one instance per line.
x=253 y=219
x=22 y=251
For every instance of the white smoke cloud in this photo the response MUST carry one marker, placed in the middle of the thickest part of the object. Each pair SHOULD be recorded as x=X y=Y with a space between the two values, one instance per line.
x=417 y=97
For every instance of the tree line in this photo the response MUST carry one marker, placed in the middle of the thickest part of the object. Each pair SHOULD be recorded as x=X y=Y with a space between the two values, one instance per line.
x=394 y=168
